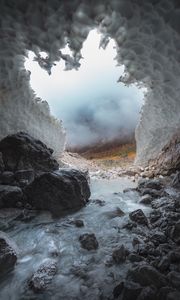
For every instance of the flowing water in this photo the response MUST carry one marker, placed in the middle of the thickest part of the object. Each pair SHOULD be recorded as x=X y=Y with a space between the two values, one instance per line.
x=81 y=274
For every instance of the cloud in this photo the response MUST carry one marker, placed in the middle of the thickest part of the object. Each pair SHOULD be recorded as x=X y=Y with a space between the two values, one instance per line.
x=92 y=105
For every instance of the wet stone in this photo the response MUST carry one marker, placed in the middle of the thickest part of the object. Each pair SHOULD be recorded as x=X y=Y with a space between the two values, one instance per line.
x=43 y=277
x=7 y=178
x=174 y=278
x=139 y=217
x=175 y=233
x=134 y=257
x=155 y=215
x=146 y=275
x=151 y=184
x=118 y=290
x=146 y=199
x=78 y=223
x=131 y=290
x=8 y=255
x=10 y=196
x=119 y=255
x=88 y=241
x=148 y=293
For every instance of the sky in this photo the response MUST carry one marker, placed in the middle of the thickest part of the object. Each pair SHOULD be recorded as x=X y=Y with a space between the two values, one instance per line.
x=93 y=106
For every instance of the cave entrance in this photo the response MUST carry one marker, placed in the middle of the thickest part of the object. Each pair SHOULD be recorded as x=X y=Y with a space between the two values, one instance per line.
x=99 y=113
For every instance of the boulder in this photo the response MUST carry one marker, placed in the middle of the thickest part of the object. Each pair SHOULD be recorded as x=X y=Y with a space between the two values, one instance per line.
x=88 y=241
x=147 y=293
x=27 y=175
x=10 y=196
x=21 y=152
x=146 y=199
x=43 y=276
x=61 y=192
x=176 y=180
x=146 y=275
x=8 y=255
x=174 y=278
x=139 y=217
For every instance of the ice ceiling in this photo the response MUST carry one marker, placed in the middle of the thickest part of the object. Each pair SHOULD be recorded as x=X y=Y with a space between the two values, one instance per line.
x=147 y=36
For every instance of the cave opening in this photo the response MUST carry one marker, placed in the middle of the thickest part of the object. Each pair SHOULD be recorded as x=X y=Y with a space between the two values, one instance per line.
x=98 y=112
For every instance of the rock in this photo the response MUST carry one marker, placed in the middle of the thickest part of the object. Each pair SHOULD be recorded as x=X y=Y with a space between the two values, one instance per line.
x=139 y=217
x=61 y=192
x=43 y=277
x=1 y=163
x=27 y=175
x=10 y=196
x=118 y=290
x=131 y=291
x=146 y=199
x=7 y=178
x=158 y=238
x=78 y=223
x=146 y=275
x=99 y=202
x=174 y=256
x=114 y=213
x=119 y=255
x=174 y=295
x=174 y=278
x=154 y=184
x=21 y=152
x=88 y=241
x=176 y=180
x=163 y=293
x=147 y=293
x=134 y=257
x=155 y=215
x=164 y=264
x=152 y=192
x=8 y=255
x=168 y=161
x=175 y=233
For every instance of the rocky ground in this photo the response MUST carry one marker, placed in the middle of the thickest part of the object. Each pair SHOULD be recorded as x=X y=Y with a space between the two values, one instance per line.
x=30 y=181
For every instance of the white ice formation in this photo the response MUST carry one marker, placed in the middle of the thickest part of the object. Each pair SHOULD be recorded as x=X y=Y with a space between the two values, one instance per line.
x=147 y=35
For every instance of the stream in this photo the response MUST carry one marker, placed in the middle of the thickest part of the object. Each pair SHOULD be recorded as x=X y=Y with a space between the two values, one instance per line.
x=81 y=274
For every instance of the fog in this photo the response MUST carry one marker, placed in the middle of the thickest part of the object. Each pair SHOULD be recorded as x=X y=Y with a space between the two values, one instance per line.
x=92 y=104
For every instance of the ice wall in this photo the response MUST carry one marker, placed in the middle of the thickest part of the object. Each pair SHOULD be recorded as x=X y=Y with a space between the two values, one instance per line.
x=148 y=43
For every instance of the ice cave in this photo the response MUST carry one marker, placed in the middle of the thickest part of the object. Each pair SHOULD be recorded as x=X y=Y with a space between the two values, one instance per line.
x=71 y=234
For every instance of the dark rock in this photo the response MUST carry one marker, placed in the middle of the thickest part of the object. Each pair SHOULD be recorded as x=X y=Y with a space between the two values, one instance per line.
x=146 y=199
x=119 y=255
x=154 y=184
x=164 y=292
x=130 y=225
x=1 y=163
x=174 y=295
x=176 y=180
x=134 y=257
x=43 y=277
x=155 y=215
x=8 y=255
x=114 y=213
x=21 y=152
x=118 y=290
x=164 y=264
x=7 y=178
x=146 y=275
x=88 y=241
x=147 y=293
x=174 y=256
x=175 y=233
x=10 y=196
x=158 y=238
x=131 y=291
x=174 y=278
x=168 y=161
x=99 y=202
x=60 y=192
x=127 y=190
x=139 y=217
x=78 y=223
x=27 y=175
x=152 y=192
